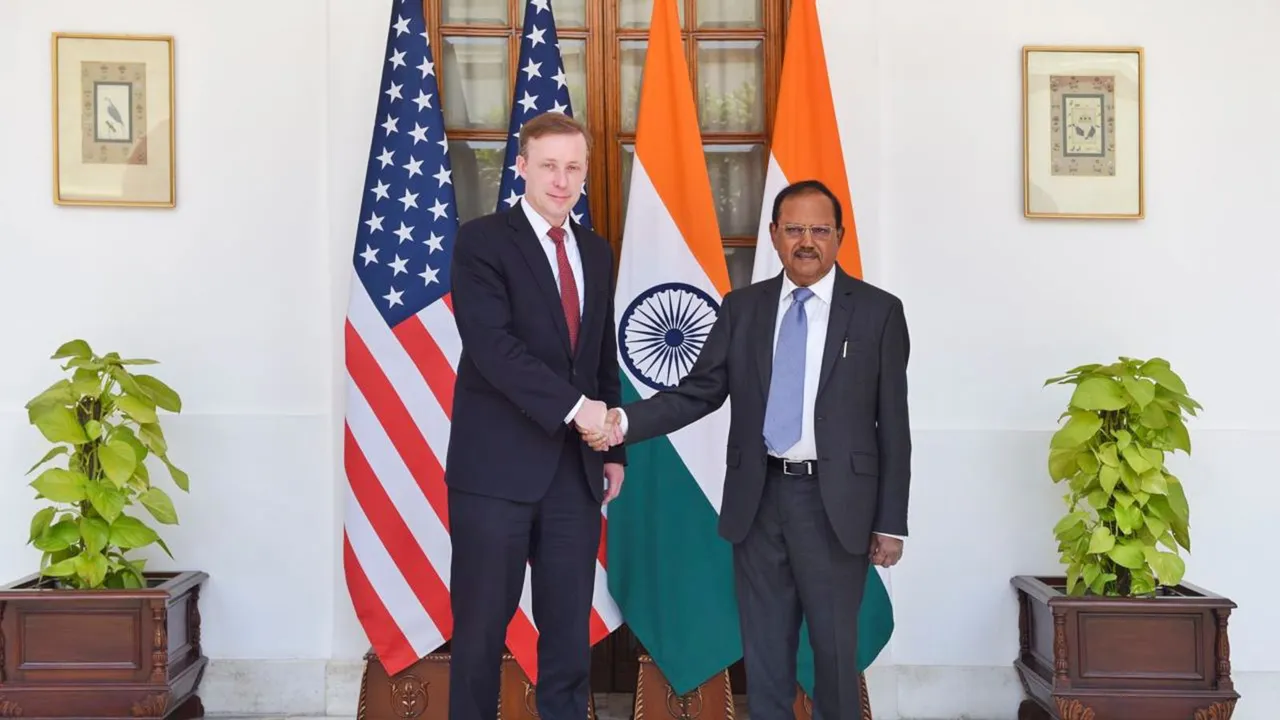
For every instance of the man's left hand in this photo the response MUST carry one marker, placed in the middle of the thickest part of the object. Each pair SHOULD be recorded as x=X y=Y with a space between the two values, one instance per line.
x=885 y=551
x=613 y=472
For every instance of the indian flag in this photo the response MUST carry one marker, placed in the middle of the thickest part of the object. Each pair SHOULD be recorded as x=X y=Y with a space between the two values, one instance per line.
x=669 y=571
x=806 y=146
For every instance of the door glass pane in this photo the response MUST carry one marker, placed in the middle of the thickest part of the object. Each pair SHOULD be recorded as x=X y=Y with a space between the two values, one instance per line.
x=631 y=69
x=477 y=172
x=574 y=55
x=729 y=14
x=741 y=261
x=475 y=12
x=569 y=13
x=730 y=75
x=475 y=78
x=737 y=185
x=636 y=13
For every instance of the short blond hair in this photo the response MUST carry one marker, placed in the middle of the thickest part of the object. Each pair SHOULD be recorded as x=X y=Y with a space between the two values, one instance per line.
x=551 y=123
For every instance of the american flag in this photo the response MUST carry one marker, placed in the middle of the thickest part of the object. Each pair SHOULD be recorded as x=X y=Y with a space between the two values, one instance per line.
x=541 y=86
x=402 y=350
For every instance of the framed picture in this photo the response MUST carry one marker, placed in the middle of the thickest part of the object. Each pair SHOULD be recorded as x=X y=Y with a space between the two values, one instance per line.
x=113 y=120
x=1082 y=132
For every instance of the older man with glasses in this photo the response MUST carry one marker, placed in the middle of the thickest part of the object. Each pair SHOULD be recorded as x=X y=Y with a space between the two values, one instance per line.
x=818 y=463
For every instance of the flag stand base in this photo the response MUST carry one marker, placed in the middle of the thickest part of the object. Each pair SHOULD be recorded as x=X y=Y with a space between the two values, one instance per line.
x=713 y=700
x=657 y=700
x=519 y=698
x=421 y=691
x=804 y=704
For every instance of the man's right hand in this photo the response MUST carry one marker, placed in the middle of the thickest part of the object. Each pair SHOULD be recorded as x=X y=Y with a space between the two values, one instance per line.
x=590 y=418
x=608 y=435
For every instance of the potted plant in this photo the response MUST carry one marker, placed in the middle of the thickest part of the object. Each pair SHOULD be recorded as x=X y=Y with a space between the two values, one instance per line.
x=93 y=633
x=1121 y=635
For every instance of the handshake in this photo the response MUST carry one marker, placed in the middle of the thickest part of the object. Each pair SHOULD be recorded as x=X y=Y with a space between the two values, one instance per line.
x=600 y=426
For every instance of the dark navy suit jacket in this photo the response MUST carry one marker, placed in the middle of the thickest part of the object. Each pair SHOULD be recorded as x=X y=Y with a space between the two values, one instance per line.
x=517 y=379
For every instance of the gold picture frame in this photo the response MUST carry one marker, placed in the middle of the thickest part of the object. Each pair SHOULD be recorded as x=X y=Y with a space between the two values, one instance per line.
x=1083 y=132
x=113 y=112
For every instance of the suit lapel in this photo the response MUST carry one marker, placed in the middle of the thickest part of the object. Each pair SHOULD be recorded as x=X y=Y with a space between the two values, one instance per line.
x=837 y=325
x=766 y=317
x=531 y=247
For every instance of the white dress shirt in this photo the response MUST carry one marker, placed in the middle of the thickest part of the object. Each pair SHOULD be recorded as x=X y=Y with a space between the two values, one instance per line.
x=540 y=228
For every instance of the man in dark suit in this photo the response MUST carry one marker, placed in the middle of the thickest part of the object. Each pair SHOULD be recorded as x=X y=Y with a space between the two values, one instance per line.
x=533 y=301
x=819 y=451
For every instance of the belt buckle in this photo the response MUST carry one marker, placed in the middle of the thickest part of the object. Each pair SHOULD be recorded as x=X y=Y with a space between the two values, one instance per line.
x=805 y=465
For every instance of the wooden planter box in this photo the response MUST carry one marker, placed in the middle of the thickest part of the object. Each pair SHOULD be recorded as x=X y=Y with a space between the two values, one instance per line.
x=101 y=653
x=1100 y=658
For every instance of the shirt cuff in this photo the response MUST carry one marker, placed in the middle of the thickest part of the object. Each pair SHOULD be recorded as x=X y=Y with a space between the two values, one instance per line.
x=622 y=417
x=578 y=406
x=900 y=537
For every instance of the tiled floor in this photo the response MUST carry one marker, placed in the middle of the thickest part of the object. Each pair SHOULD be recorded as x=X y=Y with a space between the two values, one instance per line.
x=608 y=707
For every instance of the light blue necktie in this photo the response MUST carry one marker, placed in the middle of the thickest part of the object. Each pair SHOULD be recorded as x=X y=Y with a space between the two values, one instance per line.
x=783 y=414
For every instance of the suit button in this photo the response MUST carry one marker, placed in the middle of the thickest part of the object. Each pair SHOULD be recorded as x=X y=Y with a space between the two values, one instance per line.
x=820 y=418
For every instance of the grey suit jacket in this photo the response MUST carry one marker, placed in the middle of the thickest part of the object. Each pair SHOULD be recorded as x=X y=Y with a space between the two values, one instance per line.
x=861 y=420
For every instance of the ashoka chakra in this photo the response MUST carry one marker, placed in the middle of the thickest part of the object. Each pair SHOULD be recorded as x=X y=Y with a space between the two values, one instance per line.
x=663 y=331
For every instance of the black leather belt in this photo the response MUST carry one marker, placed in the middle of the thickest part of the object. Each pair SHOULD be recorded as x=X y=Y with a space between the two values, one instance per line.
x=794 y=467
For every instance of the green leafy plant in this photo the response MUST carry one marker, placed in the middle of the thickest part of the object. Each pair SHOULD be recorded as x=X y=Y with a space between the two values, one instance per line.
x=1127 y=514
x=104 y=420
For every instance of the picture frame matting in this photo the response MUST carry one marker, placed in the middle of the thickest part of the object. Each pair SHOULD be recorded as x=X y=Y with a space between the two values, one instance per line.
x=113 y=120
x=1083 y=132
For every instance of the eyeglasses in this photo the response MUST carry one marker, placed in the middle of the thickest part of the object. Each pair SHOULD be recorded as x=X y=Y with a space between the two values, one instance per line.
x=819 y=232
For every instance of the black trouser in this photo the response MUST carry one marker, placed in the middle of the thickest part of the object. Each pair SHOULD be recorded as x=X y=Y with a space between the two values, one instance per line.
x=492 y=540
x=791 y=564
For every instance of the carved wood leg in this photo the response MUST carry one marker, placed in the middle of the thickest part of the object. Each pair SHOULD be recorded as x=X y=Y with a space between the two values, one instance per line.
x=1073 y=709
x=1217 y=711
x=9 y=708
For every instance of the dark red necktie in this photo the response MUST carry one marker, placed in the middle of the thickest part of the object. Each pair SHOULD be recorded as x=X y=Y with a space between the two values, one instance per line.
x=568 y=286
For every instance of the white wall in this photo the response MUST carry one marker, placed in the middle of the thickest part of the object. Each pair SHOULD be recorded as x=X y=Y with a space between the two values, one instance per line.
x=241 y=290
x=997 y=303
